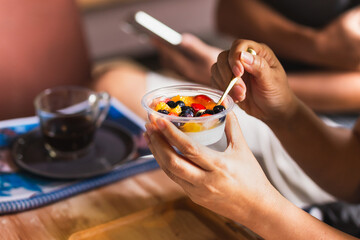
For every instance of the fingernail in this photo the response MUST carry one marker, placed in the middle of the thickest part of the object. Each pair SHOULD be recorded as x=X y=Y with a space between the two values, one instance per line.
x=160 y=123
x=247 y=57
x=236 y=71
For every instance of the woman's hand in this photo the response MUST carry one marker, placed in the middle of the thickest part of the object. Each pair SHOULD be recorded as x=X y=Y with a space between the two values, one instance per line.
x=230 y=183
x=262 y=89
x=192 y=59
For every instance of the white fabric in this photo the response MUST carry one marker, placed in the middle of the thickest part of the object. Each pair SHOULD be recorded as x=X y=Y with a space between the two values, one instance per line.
x=280 y=168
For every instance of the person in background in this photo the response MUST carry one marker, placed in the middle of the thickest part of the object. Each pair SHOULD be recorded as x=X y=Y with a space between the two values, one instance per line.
x=232 y=182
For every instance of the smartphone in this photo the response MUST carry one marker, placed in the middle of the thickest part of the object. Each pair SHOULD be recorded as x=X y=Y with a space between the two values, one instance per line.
x=142 y=22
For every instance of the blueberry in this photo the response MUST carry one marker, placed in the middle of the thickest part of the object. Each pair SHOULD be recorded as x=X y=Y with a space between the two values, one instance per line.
x=198 y=114
x=163 y=111
x=171 y=104
x=222 y=119
x=187 y=113
x=208 y=111
x=180 y=103
x=187 y=108
x=218 y=108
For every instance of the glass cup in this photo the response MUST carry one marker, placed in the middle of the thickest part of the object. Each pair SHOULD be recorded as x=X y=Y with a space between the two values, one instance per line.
x=204 y=130
x=69 y=117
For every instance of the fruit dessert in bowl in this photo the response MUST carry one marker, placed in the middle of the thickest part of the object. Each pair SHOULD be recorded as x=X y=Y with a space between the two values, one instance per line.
x=192 y=109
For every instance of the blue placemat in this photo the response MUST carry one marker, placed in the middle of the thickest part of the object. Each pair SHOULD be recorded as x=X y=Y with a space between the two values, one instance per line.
x=21 y=191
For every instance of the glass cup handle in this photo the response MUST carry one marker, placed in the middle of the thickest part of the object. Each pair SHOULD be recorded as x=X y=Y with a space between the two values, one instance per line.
x=103 y=97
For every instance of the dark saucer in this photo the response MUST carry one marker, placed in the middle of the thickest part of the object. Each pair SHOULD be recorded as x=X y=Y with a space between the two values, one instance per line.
x=112 y=146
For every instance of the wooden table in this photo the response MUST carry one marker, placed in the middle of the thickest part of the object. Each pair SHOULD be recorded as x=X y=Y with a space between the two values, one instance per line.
x=99 y=206
x=61 y=219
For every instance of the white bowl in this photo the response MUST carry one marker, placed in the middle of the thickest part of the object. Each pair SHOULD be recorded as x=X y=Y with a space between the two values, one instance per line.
x=209 y=129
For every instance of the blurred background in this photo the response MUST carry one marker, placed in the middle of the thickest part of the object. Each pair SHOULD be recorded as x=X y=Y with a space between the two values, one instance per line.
x=102 y=19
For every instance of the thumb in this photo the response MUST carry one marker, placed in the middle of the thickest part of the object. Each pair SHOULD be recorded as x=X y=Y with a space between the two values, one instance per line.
x=233 y=132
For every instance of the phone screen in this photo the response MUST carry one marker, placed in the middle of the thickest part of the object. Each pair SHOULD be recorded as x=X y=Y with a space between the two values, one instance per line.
x=158 y=28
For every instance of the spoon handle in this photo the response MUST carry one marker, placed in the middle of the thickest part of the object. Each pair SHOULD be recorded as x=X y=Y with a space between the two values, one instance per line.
x=229 y=87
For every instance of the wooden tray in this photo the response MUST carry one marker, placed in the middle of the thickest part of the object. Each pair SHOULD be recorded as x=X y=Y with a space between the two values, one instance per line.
x=180 y=219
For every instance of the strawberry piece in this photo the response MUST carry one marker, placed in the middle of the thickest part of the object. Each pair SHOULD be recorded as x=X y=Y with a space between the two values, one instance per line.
x=202 y=98
x=197 y=107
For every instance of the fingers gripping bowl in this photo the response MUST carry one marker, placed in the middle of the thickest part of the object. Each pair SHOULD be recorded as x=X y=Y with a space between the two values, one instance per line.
x=196 y=115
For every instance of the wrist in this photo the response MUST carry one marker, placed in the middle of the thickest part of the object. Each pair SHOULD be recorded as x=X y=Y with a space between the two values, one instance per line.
x=263 y=213
x=287 y=114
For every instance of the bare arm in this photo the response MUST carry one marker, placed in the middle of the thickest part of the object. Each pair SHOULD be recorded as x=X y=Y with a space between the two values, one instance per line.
x=327 y=91
x=252 y=19
x=336 y=46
